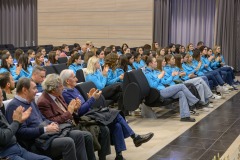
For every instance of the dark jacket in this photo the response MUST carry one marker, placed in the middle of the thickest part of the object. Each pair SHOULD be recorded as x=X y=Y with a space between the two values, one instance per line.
x=50 y=109
x=7 y=132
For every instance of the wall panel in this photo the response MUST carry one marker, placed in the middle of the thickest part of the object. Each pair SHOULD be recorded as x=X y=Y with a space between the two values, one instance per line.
x=104 y=22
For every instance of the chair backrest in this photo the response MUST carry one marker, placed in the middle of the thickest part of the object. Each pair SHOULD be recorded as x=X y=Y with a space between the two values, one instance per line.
x=80 y=76
x=139 y=78
x=60 y=67
x=62 y=60
x=49 y=69
x=84 y=88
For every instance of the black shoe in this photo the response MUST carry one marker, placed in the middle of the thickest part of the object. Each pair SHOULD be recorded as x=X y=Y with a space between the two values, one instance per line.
x=140 y=139
x=119 y=157
x=188 y=119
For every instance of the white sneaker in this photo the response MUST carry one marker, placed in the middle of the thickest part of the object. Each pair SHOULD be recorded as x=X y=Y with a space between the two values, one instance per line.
x=209 y=106
x=205 y=109
x=214 y=96
x=228 y=87
x=225 y=88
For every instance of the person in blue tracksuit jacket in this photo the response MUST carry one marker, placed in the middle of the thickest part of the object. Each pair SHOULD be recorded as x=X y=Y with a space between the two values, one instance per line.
x=198 y=64
x=225 y=73
x=138 y=62
x=100 y=54
x=180 y=91
x=122 y=66
x=202 y=88
x=190 y=68
x=111 y=61
x=75 y=62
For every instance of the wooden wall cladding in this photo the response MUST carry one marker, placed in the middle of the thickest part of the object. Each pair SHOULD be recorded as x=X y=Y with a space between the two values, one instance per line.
x=104 y=22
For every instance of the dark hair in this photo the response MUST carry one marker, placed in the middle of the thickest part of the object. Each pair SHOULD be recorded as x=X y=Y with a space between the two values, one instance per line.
x=4 y=62
x=63 y=46
x=200 y=43
x=123 y=63
x=76 y=45
x=178 y=46
x=168 y=57
x=129 y=56
x=30 y=51
x=111 y=47
x=72 y=52
x=124 y=44
x=146 y=52
x=147 y=47
x=4 y=79
x=23 y=60
x=98 y=52
x=72 y=59
x=23 y=83
x=171 y=45
x=153 y=46
x=40 y=49
x=178 y=58
x=136 y=54
x=159 y=62
x=51 y=57
x=202 y=48
x=110 y=60
x=147 y=59
x=102 y=48
x=196 y=55
x=18 y=53
x=56 y=48
x=107 y=51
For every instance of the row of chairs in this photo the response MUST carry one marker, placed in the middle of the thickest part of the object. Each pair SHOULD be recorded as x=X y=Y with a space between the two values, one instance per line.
x=137 y=92
x=57 y=68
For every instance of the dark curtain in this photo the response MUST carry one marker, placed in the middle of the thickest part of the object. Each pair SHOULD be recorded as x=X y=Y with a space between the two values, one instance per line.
x=18 y=22
x=228 y=30
x=237 y=35
x=162 y=19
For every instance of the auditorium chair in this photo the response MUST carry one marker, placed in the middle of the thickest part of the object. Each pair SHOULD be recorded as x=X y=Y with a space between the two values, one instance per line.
x=49 y=70
x=80 y=76
x=137 y=92
x=60 y=67
x=85 y=87
x=62 y=60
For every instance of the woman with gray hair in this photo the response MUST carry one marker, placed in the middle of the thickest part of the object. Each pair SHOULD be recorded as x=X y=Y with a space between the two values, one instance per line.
x=117 y=125
x=52 y=106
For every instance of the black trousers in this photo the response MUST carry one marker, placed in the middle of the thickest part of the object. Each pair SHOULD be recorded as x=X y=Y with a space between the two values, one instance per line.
x=71 y=147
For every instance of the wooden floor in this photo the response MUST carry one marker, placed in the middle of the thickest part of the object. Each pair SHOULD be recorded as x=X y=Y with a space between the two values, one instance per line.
x=165 y=131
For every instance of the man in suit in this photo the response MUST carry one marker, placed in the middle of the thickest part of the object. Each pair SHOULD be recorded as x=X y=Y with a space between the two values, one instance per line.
x=69 y=147
x=53 y=106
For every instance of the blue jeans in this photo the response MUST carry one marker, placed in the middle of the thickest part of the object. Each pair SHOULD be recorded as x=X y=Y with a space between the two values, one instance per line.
x=217 y=77
x=227 y=74
x=16 y=152
x=119 y=131
x=186 y=98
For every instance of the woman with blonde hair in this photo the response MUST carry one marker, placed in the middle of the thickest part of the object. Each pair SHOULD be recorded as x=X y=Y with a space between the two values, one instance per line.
x=111 y=91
